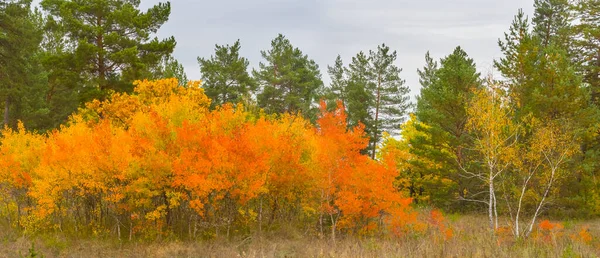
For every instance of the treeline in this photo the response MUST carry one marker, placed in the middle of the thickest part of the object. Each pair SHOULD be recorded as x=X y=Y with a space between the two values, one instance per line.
x=69 y=53
x=521 y=145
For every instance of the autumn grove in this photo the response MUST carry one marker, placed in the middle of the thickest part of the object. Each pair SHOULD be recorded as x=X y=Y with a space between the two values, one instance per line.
x=104 y=136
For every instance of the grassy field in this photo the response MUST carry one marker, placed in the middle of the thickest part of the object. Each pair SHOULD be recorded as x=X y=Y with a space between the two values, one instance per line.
x=470 y=239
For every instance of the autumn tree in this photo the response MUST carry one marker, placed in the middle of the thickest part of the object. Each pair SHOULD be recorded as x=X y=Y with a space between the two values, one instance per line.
x=544 y=83
x=159 y=161
x=539 y=165
x=356 y=190
x=490 y=120
x=523 y=159
x=337 y=144
x=120 y=169
x=20 y=155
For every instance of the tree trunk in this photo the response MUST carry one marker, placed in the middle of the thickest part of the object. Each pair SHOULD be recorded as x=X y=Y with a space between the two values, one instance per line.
x=195 y=225
x=376 y=133
x=321 y=224
x=491 y=203
x=333 y=228
x=495 y=212
x=130 y=229
x=101 y=61
x=190 y=226
x=6 y=110
x=118 y=228
x=273 y=211
x=541 y=203
x=260 y=215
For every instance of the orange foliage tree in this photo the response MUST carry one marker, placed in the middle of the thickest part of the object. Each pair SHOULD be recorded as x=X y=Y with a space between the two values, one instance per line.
x=356 y=191
x=160 y=162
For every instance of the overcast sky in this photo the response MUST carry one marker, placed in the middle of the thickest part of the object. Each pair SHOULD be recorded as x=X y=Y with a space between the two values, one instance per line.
x=322 y=29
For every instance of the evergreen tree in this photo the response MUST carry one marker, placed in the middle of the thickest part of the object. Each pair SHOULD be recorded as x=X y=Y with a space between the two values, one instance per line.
x=391 y=95
x=544 y=84
x=169 y=67
x=109 y=42
x=337 y=88
x=373 y=93
x=518 y=61
x=427 y=75
x=289 y=80
x=540 y=76
x=225 y=75
x=587 y=45
x=66 y=88
x=551 y=21
x=441 y=107
x=21 y=78
x=359 y=97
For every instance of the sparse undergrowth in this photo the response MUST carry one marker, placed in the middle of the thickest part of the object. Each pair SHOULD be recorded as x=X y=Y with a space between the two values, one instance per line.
x=470 y=238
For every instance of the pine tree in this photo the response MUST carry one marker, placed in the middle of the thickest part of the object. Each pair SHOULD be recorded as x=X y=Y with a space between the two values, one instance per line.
x=111 y=40
x=225 y=75
x=551 y=21
x=441 y=107
x=442 y=104
x=373 y=93
x=544 y=85
x=66 y=88
x=561 y=94
x=359 y=97
x=169 y=67
x=587 y=45
x=427 y=75
x=337 y=88
x=540 y=75
x=21 y=84
x=289 y=81
x=518 y=61
x=391 y=100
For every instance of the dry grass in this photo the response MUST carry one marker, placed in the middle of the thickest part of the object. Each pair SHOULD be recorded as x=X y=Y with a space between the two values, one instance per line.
x=471 y=239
